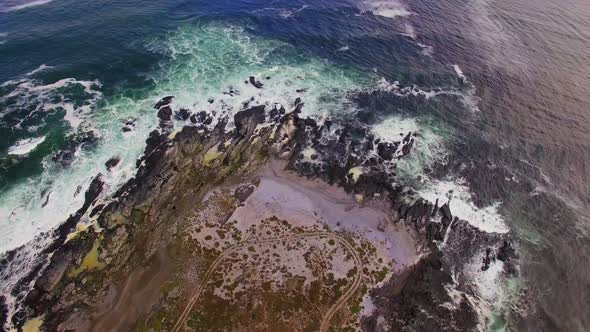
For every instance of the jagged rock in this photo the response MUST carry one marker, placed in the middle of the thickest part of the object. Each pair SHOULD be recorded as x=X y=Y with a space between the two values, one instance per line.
x=81 y=140
x=244 y=191
x=129 y=125
x=309 y=122
x=435 y=209
x=96 y=210
x=414 y=301
x=407 y=147
x=3 y=312
x=386 y=150
x=276 y=113
x=255 y=83
x=93 y=191
x=112 y=162
x=506 y=251
x=487 y=259
x=182 y=114
x=231 y=92
x=445 y=212
x=201 y=117
x=247 y=120
x=407 y=138
x=165 y=113
x=163 y=102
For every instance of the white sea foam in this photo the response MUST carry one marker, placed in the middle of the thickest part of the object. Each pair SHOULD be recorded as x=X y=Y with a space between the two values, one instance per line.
x=488 y=282
x=386 y=8
x=428 y=145
x=26 y=5
x=468 y=98
x=289 y=13
x=215 y=60
x=459 y=72
x=282 y=12
x=41 y=68
x=76 y=98
x=487 y=219
x=25 y=146
x=409 y=30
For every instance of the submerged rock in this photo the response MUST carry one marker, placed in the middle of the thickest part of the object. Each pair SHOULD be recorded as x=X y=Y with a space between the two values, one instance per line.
x=86 y=140
x=129 y=125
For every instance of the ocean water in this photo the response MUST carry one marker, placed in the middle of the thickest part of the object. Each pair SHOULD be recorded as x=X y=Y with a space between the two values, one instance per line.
x=497 y=93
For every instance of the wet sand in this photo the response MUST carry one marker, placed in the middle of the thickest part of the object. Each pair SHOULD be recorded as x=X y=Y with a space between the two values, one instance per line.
x=305 y=202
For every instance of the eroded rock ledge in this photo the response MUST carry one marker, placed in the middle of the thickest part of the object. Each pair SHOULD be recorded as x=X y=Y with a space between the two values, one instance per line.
x=177 y=231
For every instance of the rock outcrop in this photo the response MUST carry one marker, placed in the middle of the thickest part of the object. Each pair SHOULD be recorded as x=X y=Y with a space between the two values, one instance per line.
x=140 y=225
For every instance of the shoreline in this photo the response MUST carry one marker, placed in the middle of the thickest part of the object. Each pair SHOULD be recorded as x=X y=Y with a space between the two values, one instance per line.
x=179 y=202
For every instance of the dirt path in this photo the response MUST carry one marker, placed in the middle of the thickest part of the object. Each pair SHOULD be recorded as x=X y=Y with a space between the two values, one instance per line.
x=325 y=324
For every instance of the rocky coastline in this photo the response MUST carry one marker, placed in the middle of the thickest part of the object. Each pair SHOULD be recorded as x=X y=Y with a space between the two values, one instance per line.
x=124 y=262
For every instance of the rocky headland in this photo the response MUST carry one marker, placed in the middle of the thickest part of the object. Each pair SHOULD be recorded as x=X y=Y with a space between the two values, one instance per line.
x=263 y=221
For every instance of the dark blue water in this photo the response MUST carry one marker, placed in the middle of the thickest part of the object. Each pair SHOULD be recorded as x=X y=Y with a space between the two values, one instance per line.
x=514 y=130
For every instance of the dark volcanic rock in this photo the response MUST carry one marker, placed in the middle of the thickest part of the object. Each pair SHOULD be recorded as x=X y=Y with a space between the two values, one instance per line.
x=81 y=140
x=182 y=114
x=164 y=101
x=112 y=162
x=165 y=113
x=386 y=150
x=414 y=301
x=244 y=191
x=506 y=251
x=201 y=117
x=445 y=212
x=94 y=190
x=3 y=312
x=129 y=125
x=247 y=120
x=255 y=83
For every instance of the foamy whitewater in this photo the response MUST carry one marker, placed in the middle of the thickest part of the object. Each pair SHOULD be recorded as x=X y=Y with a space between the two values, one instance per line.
x=25 y=5
x=428 y=147
x=386 y=8
x=209 y=59
x=456 y=193
x=25 y=146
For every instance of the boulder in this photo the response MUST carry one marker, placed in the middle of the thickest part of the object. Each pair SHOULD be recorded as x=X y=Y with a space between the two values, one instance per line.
x=247 y=120
x=506 y=251
x=386 y=150
x=81 y=140
x=112 y=162
x=255 y=83
x=163 y=102
x=182 y=114
x=165 y=113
